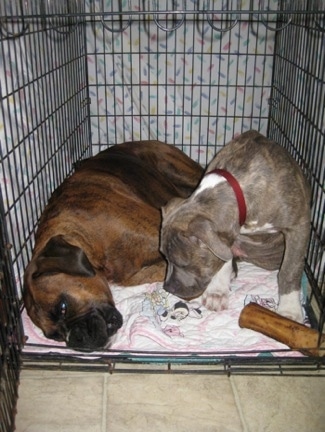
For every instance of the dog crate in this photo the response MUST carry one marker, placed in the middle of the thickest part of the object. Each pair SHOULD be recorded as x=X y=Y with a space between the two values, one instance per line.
x=78 y=76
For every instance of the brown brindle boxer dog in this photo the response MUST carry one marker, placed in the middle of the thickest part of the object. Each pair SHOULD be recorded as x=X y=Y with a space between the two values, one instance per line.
x=101 y=226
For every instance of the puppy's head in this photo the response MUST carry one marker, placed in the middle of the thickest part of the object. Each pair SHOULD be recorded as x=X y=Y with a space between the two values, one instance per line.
x=193 y=247
x=68 y=299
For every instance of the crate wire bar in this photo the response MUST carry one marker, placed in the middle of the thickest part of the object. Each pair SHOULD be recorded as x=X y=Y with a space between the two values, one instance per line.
x=78 y=76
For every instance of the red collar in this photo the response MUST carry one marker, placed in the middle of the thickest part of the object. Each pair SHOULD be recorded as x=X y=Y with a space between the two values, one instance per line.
x=238 y=192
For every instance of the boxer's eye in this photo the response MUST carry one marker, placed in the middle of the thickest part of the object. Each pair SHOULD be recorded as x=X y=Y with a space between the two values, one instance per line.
x=63 y=309
x=60 y=311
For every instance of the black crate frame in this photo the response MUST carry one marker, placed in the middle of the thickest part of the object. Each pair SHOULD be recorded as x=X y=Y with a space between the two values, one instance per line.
x=288 y=122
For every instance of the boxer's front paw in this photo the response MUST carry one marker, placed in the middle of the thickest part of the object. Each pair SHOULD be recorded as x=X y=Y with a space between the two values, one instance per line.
x=215 y=301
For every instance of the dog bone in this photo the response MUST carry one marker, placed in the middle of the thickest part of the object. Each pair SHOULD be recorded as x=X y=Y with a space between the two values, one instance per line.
x=297 y=336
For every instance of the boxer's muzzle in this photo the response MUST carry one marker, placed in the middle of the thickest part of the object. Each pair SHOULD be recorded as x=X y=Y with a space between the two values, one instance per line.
x=94 y=330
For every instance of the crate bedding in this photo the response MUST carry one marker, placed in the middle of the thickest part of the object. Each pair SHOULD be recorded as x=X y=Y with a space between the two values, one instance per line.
x=158 y=322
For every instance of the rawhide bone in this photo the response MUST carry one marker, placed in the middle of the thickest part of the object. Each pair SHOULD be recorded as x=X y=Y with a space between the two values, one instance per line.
x=295 y=335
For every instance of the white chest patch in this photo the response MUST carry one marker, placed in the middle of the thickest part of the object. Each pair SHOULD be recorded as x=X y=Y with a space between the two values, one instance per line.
x=209 y=182
x=253 y=227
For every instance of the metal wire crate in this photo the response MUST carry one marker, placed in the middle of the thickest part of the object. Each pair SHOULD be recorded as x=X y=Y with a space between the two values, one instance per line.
x=79 y=76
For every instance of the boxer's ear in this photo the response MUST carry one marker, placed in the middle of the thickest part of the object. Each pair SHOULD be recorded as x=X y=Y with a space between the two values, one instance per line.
x=59 y=256
x=201 y=230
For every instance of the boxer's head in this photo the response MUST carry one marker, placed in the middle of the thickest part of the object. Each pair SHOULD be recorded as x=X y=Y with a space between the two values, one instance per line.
x=68 y=299
x=194 y=251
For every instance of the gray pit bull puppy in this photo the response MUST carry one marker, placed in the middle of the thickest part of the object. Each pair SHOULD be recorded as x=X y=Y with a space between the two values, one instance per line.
x=252 y=204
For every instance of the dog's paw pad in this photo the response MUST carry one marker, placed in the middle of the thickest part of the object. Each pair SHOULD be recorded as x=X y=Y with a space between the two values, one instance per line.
x=215 y=302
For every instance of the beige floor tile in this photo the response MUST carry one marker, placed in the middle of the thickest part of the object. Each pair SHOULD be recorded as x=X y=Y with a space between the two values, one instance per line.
x=171 y=403
x=60 y=402
x=281 y=404
x=98 y=402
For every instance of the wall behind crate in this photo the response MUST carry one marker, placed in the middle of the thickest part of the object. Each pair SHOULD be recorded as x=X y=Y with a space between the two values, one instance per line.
x=189 y=85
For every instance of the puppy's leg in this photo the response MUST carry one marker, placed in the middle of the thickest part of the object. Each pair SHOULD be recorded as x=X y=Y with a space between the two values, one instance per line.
x=290 y=273
x=216 y=295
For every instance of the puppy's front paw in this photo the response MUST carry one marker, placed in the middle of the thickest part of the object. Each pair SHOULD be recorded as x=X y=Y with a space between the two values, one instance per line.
x=215 y=301
x=216 y=295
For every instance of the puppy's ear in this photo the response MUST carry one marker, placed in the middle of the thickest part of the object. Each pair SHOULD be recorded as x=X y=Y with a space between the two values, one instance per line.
x=201 y=230
x=59 y=256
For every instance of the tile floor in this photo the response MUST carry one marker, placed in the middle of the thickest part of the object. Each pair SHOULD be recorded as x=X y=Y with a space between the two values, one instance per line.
x=58 y=401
